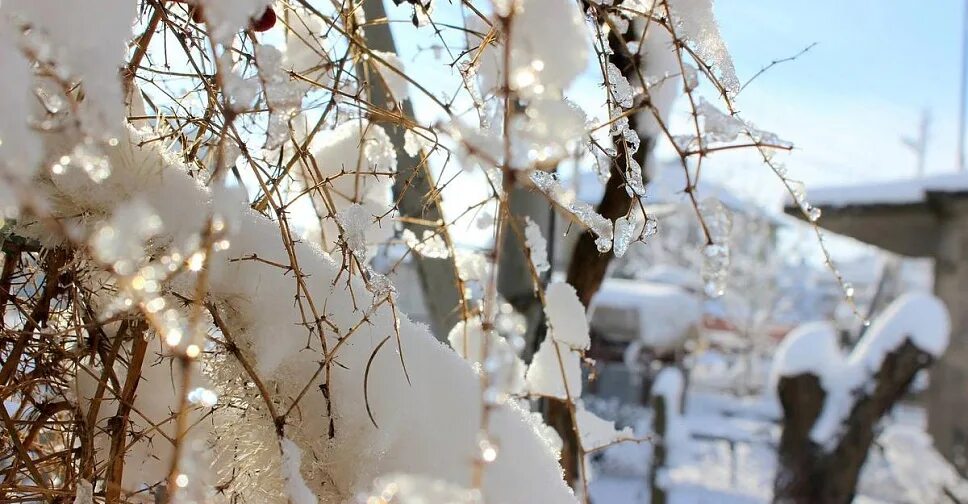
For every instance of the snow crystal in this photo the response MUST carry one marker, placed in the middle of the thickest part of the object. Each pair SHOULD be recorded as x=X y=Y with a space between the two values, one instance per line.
x=624 y=229
x=544 y=376
x=619 y=86
x=355 y=221
x=537 y=246
x=582 y=211
x=566 y=316
x=699 y=27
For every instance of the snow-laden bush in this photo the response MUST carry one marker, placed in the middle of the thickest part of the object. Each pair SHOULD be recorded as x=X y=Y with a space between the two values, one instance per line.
x=190 y=307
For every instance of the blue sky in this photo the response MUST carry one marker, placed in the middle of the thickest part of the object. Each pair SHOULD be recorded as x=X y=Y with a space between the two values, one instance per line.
x=846 y=103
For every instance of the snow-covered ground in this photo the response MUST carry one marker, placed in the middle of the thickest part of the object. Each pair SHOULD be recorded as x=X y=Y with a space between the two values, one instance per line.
x=729 y=455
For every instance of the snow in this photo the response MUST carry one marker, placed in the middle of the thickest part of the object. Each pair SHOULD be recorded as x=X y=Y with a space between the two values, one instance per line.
x=296 y=487
x=19 y=149
x=596 y=433
x=537 y=246
x=355 y=221
x=920 y=318
x=508 y=375
x=900 y=192
x=730 y=456
x=356 y=160
x=698 y=26
x=416 y=489
x=809 y=349
x=85 y=44
x=659 y=51
x=548 y=374
x=225 y=18
x=414 y=143
x=395 y=82
x=669 y=384
x=550 y=47
x=147 y=457
x=85 y=492
x=306 y=49
x=685 y=278
x=624 y=229
x=427 y=425
x=619 y=86
x=566 y=316
x=582 y=211
x=432 y=245
x=665 y=312
x=283 y=96
x=922 y=473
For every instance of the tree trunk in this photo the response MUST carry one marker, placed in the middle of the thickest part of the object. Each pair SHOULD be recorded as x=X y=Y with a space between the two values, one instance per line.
x=588 y=266
x=810 y=473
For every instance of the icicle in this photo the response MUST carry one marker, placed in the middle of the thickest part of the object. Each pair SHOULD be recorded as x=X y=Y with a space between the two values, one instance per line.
x=715 y=266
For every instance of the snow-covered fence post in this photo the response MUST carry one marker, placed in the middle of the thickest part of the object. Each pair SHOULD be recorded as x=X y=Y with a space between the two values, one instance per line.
x=666 y=402
x=659 y=425
x=831 y=403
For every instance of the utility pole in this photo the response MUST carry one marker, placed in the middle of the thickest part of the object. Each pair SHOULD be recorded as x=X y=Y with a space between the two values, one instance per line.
x=414 y=182
x=964 y=85
x=919 y=144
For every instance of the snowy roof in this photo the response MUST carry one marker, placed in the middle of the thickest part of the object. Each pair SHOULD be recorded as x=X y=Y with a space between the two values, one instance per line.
x=665 y=312
x=899 y=192
x=666 y=187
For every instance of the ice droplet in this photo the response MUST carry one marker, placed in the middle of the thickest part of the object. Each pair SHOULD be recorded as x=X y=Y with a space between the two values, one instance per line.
x=715 y=266
x=624 y=227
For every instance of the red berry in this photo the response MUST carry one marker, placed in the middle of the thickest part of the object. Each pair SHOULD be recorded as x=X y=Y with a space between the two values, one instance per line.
x=266 y=21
